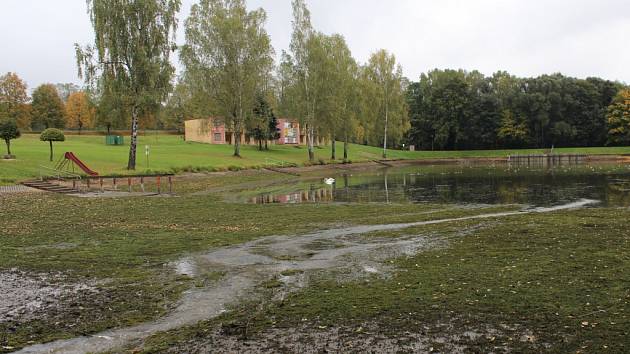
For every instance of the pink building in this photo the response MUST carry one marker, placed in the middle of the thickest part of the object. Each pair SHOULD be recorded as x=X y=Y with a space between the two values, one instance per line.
x=213 y=131
x=289 y=132
x=209 y=131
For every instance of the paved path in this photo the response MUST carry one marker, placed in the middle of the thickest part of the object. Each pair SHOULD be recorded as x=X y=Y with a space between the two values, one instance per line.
x=17 y=189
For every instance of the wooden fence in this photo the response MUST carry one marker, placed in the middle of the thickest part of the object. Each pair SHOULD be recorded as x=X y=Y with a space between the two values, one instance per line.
x=136 y=183
x=547 y=159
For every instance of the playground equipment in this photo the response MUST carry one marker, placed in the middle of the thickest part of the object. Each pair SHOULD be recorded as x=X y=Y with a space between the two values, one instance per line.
x=69 y=159
x=61 y=180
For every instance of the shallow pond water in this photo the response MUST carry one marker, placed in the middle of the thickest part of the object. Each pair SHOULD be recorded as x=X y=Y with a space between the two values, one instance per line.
x=499 y=183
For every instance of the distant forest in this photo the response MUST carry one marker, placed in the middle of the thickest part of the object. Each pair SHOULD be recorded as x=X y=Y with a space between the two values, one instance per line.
x=456 y=109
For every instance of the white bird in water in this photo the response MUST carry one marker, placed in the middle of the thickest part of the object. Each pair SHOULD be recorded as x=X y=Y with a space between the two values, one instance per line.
x=329 y=180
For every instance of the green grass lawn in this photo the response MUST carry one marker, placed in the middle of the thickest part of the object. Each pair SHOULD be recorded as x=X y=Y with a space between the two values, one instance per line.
x=170 y=153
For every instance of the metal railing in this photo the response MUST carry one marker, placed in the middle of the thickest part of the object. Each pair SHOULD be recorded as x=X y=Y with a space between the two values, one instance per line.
x=58 y=174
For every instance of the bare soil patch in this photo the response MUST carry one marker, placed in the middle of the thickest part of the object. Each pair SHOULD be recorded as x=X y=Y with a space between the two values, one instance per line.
x=26 y=296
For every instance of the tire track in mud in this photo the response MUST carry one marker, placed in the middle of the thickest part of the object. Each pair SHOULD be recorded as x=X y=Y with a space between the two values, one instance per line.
x=250 y=264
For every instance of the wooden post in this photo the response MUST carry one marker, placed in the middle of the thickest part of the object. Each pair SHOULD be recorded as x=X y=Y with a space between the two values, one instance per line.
x=88 y=184
x=170 y=184
x=159 y=190
x=142 y=184
x=115 y=185
x=129 y=183
x=101 y=182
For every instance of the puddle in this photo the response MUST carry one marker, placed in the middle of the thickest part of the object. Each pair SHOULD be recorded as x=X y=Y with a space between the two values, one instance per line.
x=185 y=266
x=370 y=269
x=288 y=258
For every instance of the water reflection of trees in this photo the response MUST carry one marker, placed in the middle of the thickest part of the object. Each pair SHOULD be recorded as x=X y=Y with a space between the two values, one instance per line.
x=540 y=189
x=304 y=196
x=543 y=188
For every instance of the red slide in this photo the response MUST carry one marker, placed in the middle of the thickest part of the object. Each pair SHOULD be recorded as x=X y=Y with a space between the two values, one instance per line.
x=72 y=157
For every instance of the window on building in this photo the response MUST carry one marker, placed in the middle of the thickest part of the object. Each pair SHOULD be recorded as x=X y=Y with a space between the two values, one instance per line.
x=217 y=136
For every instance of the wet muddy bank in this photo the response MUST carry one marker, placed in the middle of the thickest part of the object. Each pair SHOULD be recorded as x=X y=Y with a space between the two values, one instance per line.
x=369 y=337
x=30 y=296
x=287 y=260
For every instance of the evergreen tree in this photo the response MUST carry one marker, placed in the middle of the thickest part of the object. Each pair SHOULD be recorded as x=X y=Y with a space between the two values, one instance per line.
x=263 y=125
x=273 y=132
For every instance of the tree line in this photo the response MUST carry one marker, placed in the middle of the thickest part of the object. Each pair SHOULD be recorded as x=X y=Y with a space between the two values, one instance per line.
x=230 y=72
x=456 y=109
x=49 y=106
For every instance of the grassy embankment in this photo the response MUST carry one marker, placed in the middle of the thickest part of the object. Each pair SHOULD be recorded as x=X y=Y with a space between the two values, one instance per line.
x=171 y=154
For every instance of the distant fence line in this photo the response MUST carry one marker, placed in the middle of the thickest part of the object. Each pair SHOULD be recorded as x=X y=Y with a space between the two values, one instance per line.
x=549 y=159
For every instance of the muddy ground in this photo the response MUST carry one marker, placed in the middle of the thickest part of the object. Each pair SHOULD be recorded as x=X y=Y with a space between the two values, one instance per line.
x=284 y=262
x=28 y=296
x=364 y=338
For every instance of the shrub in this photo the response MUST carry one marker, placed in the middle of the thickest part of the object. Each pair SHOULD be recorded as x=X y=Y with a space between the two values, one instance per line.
x=50 y=135
x=8 y=132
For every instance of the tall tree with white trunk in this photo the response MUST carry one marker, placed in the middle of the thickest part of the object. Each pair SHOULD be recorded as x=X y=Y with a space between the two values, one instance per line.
x=130 y=55
x=386 y=76
x=303 y=44
x=340 y=107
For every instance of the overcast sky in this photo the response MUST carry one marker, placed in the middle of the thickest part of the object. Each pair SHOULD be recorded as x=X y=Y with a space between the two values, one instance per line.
x=525 y=37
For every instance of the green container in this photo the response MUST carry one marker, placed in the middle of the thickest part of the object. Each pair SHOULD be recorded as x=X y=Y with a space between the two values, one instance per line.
x=114 y=140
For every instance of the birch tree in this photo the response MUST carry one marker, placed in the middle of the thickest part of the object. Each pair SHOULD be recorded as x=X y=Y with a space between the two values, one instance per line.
x=342 y=92
x=302 y=46
x=387 y=77
x=228 y=54
x=130 y=55
x=285 y=85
